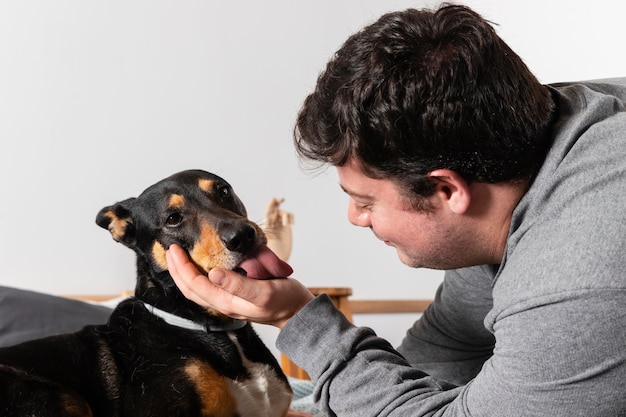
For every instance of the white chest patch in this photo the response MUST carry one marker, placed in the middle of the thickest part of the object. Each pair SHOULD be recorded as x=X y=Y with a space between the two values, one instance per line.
x=263 y=394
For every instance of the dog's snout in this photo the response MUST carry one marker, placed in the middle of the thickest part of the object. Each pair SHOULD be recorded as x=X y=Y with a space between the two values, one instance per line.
x=240 y=238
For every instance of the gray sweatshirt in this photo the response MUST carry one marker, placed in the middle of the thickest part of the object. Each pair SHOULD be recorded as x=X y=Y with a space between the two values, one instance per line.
x=541 y=334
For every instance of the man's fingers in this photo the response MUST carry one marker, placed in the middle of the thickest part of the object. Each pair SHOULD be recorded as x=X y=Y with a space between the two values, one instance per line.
x=236 y=284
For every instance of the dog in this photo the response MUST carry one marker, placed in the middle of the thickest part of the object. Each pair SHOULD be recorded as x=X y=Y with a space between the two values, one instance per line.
x=159 y=354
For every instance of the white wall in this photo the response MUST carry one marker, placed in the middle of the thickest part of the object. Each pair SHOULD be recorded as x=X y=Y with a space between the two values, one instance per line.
x=99 y=99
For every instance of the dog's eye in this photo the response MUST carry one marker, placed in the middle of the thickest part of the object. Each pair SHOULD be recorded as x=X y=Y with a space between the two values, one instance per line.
x=173 y=220
x=223 y=192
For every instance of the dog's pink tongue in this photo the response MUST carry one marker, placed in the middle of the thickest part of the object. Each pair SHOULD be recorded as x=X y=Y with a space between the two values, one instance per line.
x=265 y=264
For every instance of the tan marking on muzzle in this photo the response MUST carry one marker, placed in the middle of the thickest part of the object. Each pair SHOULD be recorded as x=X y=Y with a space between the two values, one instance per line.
x=205 y=185
x=209 y=252
x=158 y=255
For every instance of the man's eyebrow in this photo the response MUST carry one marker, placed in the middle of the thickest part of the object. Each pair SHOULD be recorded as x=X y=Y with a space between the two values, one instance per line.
x=354 y=194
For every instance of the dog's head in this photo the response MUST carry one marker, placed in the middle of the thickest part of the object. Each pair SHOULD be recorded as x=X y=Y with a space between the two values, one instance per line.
x=194 y=209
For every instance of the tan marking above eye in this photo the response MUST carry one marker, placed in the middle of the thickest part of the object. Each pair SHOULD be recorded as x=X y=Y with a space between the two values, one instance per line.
x=158 y=255
x=177 y=200
x=205 y=185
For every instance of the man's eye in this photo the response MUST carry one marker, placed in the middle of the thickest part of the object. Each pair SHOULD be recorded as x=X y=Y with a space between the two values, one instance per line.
x=174 y=220
x=363 y=205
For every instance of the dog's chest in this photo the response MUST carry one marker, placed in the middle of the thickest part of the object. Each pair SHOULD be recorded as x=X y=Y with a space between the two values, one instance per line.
x=263 y=394
x=260 y=394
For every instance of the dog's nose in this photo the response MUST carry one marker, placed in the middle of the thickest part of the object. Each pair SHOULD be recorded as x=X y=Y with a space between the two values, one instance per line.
x=239 y=238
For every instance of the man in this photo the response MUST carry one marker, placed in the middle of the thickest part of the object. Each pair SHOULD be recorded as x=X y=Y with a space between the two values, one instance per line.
x=451 y=151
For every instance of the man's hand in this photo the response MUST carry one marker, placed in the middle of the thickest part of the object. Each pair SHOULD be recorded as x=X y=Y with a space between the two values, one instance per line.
x=269 y=301
x=294 y=413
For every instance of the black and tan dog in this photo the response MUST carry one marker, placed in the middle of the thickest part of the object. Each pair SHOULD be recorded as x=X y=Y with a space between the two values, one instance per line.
x=159 y=354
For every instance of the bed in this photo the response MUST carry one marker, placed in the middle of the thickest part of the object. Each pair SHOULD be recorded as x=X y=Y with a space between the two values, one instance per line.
x=27 y=315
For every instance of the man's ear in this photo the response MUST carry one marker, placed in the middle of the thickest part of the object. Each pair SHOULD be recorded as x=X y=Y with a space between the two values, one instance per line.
x=453 y=189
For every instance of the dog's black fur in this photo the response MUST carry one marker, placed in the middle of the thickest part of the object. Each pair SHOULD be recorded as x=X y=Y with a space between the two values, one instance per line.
x=138 y=364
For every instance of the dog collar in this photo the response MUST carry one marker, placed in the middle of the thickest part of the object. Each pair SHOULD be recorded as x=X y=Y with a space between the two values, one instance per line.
x=174 y=320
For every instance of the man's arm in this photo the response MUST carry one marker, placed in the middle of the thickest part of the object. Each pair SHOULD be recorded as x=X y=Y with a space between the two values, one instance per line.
x=450 y=340
x=539 y=367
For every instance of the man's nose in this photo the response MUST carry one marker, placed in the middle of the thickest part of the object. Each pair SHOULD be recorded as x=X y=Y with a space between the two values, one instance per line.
x=357 y=216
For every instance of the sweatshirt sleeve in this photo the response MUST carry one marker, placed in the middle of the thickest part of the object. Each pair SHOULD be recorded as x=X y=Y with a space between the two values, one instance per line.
x=539 y=367
x=356 y=372
x=450 y=340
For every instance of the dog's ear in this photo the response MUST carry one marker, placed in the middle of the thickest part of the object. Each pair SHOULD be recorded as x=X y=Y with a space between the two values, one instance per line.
x=117 y=219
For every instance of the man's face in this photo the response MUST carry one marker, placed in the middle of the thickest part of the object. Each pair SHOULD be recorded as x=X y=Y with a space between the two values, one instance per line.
x=435 y=239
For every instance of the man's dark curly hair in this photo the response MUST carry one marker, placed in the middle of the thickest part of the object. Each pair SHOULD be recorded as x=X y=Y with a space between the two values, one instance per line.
x=420 y=90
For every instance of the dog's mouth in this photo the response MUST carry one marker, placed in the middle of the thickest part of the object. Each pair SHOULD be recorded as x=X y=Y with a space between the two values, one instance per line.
x=240 y=271
x=263 y=264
